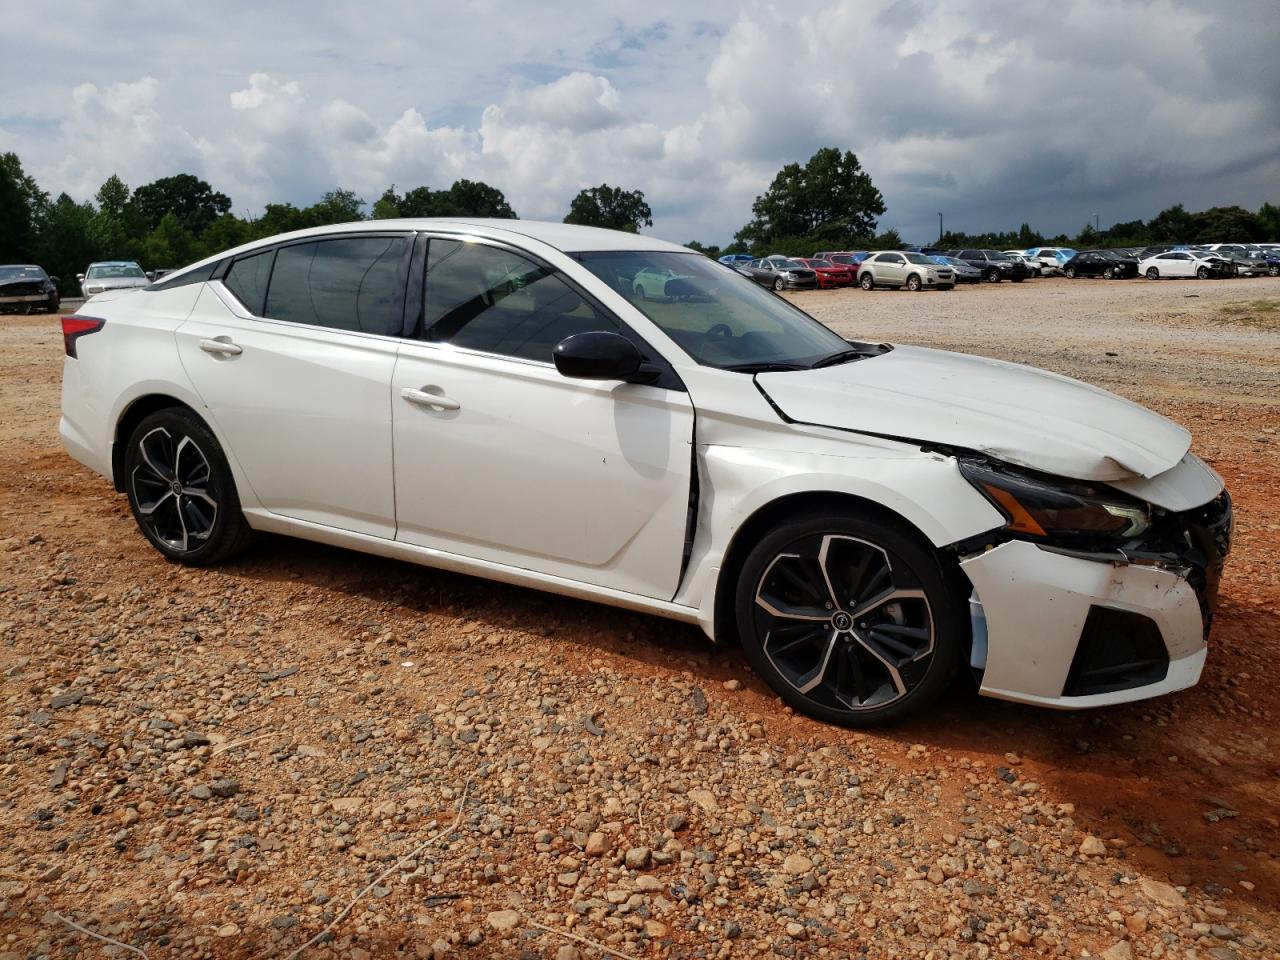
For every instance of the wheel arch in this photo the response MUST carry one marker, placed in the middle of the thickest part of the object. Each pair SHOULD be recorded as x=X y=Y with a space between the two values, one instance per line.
x=770 y=514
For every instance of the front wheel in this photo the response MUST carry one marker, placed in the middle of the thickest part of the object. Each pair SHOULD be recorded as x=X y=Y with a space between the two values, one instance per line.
x=1273 y=271
x=181 y=491
x=848 y=618
x=993 y=276
x=1203 y=273
x=1153 y=273
x=1070 y=273
x=867 y=282
x=913 y=283
x=777 y=285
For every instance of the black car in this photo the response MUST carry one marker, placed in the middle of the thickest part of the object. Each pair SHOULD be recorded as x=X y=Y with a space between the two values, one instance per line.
x=1101 y=263
x=26 y=287
x=780 y=273
x=995 y=266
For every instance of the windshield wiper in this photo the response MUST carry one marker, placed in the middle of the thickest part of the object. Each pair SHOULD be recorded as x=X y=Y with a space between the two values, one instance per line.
x=764 y=366
x=840 y=356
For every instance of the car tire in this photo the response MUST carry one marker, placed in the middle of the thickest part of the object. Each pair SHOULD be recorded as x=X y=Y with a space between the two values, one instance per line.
x=1153 y=273
x=867 y=282
x=888 y=647
x=913 y=283
x=1273 y=271
x=181 y=490
x=1203 y=273
x=1069 y=273
x=993 y=276
x=638 y=290
x=777 y=285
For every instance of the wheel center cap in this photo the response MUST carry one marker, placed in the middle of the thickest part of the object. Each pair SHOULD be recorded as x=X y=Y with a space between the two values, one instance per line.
x=842 y=622
x=176 y=487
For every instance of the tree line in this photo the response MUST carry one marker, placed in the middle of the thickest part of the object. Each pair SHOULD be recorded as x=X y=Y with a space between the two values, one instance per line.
x=827 y=203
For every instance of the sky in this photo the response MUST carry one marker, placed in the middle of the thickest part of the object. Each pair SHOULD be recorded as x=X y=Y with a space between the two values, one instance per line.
x=991 y=113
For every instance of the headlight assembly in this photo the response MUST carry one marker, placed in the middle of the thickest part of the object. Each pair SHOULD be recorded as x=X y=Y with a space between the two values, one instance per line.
x=1058 y=510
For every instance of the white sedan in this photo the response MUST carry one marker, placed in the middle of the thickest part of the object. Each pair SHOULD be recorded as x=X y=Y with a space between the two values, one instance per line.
x=1185 y=263
x=498 y=398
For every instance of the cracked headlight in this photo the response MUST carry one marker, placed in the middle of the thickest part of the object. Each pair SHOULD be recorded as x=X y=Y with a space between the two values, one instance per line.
x=1057 y=509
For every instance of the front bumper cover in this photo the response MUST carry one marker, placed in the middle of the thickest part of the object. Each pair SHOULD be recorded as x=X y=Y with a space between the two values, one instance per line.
x=1071 y=630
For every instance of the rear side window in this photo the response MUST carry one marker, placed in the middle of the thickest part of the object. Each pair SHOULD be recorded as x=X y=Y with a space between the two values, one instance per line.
x=247 y=279
x=349 y=283
x=496 y=301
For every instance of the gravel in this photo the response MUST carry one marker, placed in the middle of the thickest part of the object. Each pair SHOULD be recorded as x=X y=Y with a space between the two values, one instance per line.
x=251 y=746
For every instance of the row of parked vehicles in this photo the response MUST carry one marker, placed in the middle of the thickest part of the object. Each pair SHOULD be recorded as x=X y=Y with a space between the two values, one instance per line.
x=27 y=288
x=931 y=268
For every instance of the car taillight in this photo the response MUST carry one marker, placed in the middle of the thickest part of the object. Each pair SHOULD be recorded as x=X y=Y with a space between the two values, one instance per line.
x=73 y=328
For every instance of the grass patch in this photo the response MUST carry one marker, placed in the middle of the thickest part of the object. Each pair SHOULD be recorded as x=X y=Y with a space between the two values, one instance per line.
x=1264 y=313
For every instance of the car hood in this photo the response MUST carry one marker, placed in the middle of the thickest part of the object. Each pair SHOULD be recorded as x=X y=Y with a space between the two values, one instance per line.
x=1021 y=415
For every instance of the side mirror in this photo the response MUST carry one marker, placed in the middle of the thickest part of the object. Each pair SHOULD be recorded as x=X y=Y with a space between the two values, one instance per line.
x=598 y=355
x=80 y=277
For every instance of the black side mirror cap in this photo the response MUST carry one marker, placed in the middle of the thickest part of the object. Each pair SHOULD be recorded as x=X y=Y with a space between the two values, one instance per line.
x=600 y=355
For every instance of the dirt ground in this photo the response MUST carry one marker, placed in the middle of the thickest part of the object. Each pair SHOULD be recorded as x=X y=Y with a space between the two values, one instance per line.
x=215 y=762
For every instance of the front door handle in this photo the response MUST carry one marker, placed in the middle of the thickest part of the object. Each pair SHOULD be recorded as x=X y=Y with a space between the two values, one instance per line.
x=424 y=398
x=221 y=346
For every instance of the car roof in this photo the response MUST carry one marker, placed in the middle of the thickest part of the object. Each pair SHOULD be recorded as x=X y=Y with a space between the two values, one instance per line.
x=114 y=263
x=565 y=237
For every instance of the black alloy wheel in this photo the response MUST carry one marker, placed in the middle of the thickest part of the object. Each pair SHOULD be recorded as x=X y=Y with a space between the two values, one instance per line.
x=181 y=491
x=849 y=619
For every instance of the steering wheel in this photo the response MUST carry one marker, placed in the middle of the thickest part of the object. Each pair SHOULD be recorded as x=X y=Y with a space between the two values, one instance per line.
x=721 y=330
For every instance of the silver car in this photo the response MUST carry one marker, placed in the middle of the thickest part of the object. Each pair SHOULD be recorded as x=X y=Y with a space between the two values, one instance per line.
x=111 y=275
x=900 y=268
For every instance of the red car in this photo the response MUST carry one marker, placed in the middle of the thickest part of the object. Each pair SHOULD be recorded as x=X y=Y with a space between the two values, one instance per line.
x=829 y=274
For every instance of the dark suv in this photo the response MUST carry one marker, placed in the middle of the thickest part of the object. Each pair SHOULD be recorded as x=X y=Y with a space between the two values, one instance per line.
x=995 y=266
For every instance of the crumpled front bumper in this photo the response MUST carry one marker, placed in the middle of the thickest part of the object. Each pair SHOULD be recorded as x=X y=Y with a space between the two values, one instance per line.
x=1031 y=608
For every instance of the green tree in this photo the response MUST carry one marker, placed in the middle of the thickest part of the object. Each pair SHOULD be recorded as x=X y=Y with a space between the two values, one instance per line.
x=712 y=251
x=830 y=202
x=1229 y=224
x=466 y=198
x=611 y=207
x=336 y=206
x=66 y=244
x=224 y=233
x=1172 y=225
x=1269 y=222
x=22 y=205
x=190 y=199
x=115 y=225
x=889 y=240
x=170 y=245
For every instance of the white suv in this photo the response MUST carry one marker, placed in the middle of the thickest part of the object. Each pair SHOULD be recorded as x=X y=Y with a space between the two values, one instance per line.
x=896 y=268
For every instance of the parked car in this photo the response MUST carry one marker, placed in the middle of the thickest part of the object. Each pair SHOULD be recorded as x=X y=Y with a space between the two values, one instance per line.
x=963 y=271
x=866 y=519
x=25 y=287
x=1034 y=266
x=1051 y=259
x=829 y=274
x=847 y=258
x=654 y=284
x=111 y=275
x=914 y=271
x=1186 y=263
x=1249 y=261
x=995 y=266
x=781 y=273
x=736 y=259
x=1100 y=263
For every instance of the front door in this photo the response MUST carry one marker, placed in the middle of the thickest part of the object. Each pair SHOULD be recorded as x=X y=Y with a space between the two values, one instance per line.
x=500 y=458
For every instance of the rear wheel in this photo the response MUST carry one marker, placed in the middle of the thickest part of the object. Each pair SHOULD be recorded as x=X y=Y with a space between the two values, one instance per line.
x=867 y=282
x=1273 y=271
x=848 y=618
x=181 y=491
x=913 y=283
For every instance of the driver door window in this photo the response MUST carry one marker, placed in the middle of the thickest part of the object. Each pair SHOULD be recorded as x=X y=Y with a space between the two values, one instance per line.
x=495 y=301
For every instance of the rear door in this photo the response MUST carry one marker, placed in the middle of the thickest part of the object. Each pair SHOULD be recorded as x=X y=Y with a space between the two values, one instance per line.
x=500 y=458
x=292 y=351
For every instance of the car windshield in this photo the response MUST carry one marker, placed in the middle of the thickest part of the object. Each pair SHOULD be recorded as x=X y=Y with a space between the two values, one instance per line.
x=9 y=274
x=717 y=316
x=918 y=258
x=782 y=263
x=113 y=271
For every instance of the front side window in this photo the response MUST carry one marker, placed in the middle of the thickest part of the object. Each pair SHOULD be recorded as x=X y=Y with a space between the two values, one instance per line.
x=496 y=301
x=717 y=316
x=348 y=283
x=247 y=279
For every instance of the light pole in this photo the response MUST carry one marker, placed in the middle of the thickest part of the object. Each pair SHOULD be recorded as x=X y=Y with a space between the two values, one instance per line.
x=1096 y=228
x=939 y=229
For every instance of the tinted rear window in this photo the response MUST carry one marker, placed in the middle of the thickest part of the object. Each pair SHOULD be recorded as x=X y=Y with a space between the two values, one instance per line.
x=349 y=283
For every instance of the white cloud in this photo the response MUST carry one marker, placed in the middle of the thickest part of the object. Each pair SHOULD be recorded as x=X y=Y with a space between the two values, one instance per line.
x=1045 y=116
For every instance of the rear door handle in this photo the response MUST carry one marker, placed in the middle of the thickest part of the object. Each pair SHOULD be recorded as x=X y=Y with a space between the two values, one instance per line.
x=424 y=398
x=222 y=346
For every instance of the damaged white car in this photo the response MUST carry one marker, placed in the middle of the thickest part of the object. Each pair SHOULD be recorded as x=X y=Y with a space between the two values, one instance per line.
x=494 y=397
